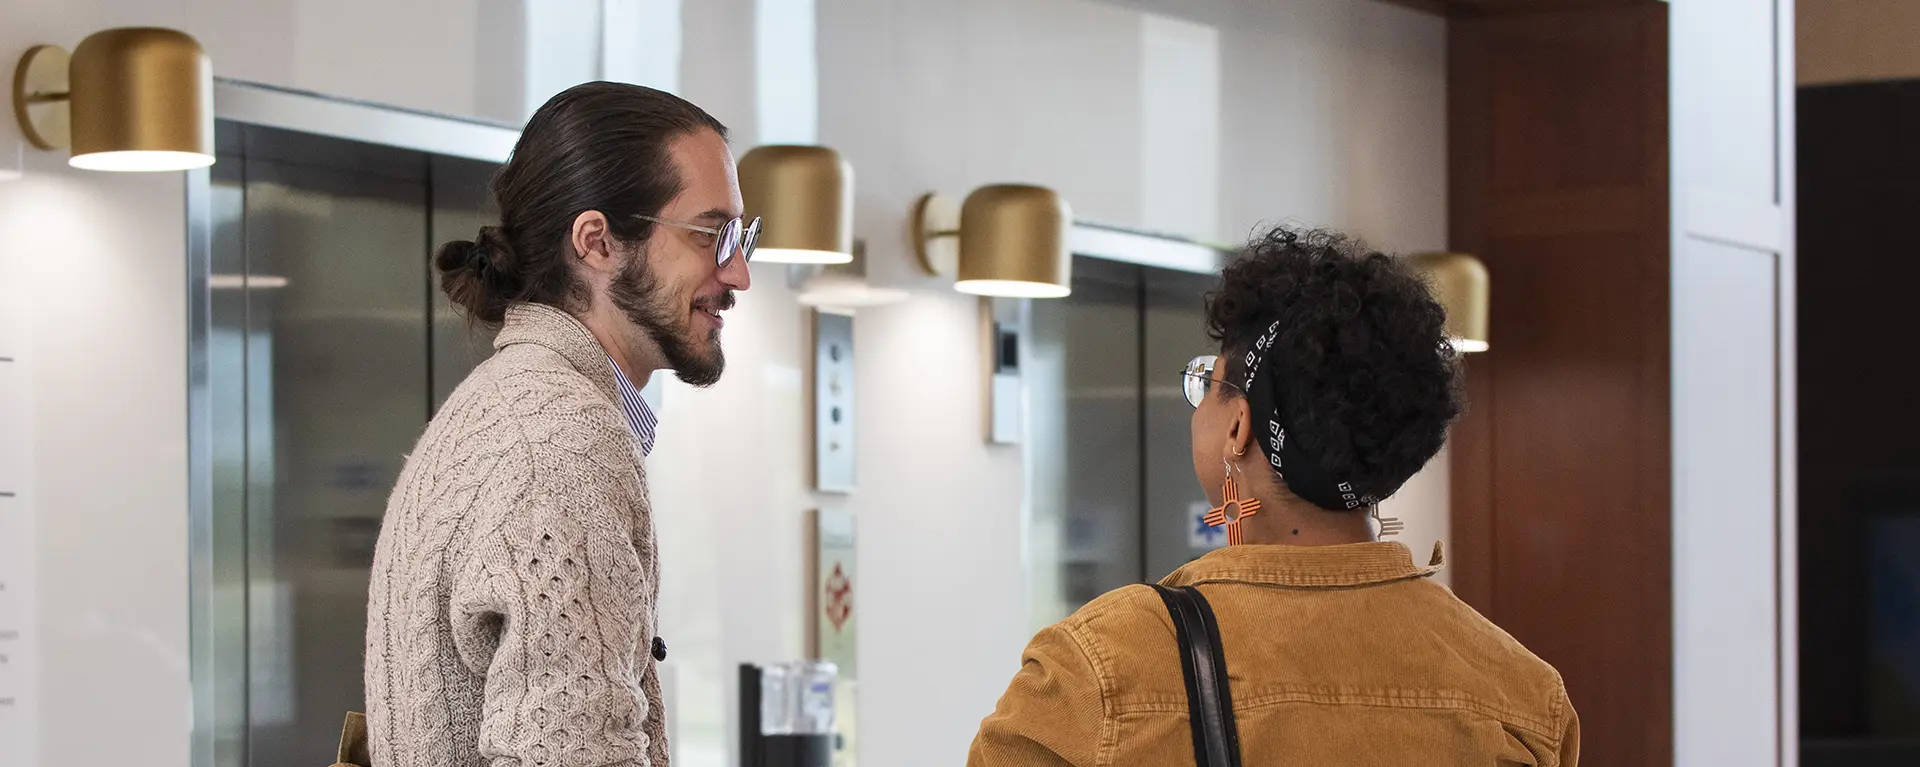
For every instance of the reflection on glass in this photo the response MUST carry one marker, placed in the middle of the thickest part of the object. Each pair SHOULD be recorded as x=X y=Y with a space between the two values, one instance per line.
x=227 y=416
x=459 y=210
x=1175 y=330
x=1086 y=438
x=321 y=366
x=1108 y=445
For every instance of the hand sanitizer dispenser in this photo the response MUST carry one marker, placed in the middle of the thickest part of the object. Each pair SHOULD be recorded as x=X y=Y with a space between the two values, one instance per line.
x=787 y=714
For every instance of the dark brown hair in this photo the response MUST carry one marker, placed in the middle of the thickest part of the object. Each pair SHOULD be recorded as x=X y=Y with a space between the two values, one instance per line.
x=596 y=146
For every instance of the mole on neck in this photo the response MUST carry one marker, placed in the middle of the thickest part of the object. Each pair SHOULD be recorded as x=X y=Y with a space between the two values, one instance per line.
x=1289 y=520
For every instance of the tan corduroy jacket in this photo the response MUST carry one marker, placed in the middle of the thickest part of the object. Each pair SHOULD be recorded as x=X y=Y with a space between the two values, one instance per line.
x=1337 y=655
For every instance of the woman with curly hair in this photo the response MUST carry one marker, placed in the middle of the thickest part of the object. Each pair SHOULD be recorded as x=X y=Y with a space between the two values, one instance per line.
x=1334 y=384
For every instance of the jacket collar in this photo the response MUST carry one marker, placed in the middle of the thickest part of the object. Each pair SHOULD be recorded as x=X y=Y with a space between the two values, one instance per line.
x=543 y=325
x=1348 y=566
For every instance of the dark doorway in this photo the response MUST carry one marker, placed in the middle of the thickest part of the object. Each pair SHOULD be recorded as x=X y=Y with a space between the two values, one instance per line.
x=1859 y=268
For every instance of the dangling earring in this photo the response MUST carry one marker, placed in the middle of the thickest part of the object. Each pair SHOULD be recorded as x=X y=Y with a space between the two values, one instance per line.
x=1232 y=508
x=1384 y=527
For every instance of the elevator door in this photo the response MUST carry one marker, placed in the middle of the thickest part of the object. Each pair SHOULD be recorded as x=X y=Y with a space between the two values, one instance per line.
x=1114 y=497
x=329 y=347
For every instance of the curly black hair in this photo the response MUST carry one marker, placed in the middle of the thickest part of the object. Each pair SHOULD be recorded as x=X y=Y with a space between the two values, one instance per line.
x=1366 y=379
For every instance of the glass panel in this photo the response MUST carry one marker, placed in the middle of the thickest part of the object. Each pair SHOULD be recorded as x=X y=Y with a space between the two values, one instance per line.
x=337 y=389
x=227 y=446
x=459 y=210
x=327 y=344
x=1109 y=447
x=1175 y=332
x=1084 y=441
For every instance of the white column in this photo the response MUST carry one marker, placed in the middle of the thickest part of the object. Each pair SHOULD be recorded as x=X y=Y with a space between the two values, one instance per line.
x=1180 y=127
x=1734 y=501
x=563 y=47
x=526 y=51
x=786 y=78
x=499 y=67
x=641 y=43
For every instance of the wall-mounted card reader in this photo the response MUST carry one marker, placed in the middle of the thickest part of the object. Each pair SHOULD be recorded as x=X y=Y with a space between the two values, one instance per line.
x=1005 y=324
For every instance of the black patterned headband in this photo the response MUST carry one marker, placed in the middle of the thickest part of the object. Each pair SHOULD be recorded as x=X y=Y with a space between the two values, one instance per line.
x=1300 y=469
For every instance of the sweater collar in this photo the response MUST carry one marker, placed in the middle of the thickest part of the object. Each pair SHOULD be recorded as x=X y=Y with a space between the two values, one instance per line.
x=546 y=326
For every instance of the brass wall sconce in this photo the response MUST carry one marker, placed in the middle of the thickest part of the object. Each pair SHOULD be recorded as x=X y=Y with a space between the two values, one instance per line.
x=1007 y=240
x=804 y=198
x=1461 y=284
x=131 y=99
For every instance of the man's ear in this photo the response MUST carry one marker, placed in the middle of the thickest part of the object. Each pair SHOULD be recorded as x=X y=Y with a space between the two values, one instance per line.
x=592 y=241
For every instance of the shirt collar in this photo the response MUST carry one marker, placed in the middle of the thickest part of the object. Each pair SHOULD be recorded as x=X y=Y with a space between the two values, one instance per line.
x=640 y=418
x=1347 y=566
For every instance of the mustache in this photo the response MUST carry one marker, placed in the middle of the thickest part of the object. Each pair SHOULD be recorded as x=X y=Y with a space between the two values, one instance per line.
x=718 y=302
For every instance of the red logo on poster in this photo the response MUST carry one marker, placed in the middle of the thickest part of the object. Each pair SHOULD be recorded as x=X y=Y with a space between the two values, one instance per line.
x=839 y=598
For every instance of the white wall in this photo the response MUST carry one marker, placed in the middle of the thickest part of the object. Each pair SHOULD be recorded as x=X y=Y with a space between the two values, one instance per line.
x=1329 y=112
x=18 y=682
x=103 y=288
x=105 y=292
x=102 y=283
x=1734 y=668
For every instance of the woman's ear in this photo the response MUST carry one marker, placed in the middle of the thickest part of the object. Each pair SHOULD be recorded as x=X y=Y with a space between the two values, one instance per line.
x=1240 y=430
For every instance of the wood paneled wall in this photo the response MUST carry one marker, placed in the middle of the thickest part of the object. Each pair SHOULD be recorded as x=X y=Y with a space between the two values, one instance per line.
x=1561 y=503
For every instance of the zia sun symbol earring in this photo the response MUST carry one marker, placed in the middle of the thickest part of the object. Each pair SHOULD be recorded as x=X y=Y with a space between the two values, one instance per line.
x=1232 y=509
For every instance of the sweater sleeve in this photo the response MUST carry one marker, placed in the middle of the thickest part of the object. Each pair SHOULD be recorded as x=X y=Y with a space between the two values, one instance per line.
x=657 y=749
x=556 y=615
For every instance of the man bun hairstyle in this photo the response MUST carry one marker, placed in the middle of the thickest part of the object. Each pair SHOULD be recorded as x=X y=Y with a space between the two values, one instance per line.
x=596 y=146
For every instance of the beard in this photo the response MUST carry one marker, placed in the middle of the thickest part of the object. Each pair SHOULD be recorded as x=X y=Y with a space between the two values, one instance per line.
x=637 y=293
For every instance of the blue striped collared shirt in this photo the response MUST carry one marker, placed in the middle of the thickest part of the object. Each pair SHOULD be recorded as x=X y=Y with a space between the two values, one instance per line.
x=640 y=418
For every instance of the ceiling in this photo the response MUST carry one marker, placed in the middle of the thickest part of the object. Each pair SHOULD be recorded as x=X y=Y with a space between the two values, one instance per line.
x=1491 y=7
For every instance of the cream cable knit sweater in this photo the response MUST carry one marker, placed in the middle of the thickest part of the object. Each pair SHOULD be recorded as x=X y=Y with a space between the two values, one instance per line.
x=512 y=607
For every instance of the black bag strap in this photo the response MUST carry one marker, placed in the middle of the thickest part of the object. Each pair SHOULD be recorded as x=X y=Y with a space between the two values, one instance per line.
x=1216 y=738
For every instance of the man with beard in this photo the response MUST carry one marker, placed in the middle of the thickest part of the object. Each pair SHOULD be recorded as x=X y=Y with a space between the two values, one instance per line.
x=511 y=614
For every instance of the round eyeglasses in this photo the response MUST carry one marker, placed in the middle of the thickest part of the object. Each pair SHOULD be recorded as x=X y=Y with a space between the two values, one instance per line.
x=734 y=236
x=1198 y=378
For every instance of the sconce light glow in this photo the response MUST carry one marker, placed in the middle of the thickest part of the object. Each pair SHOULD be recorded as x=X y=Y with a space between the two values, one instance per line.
x=1012 y=289
x=246 y=281
x=842 y=287
x=13 y=165
x=765 y=255
x=851 y=297
x=140 y=161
